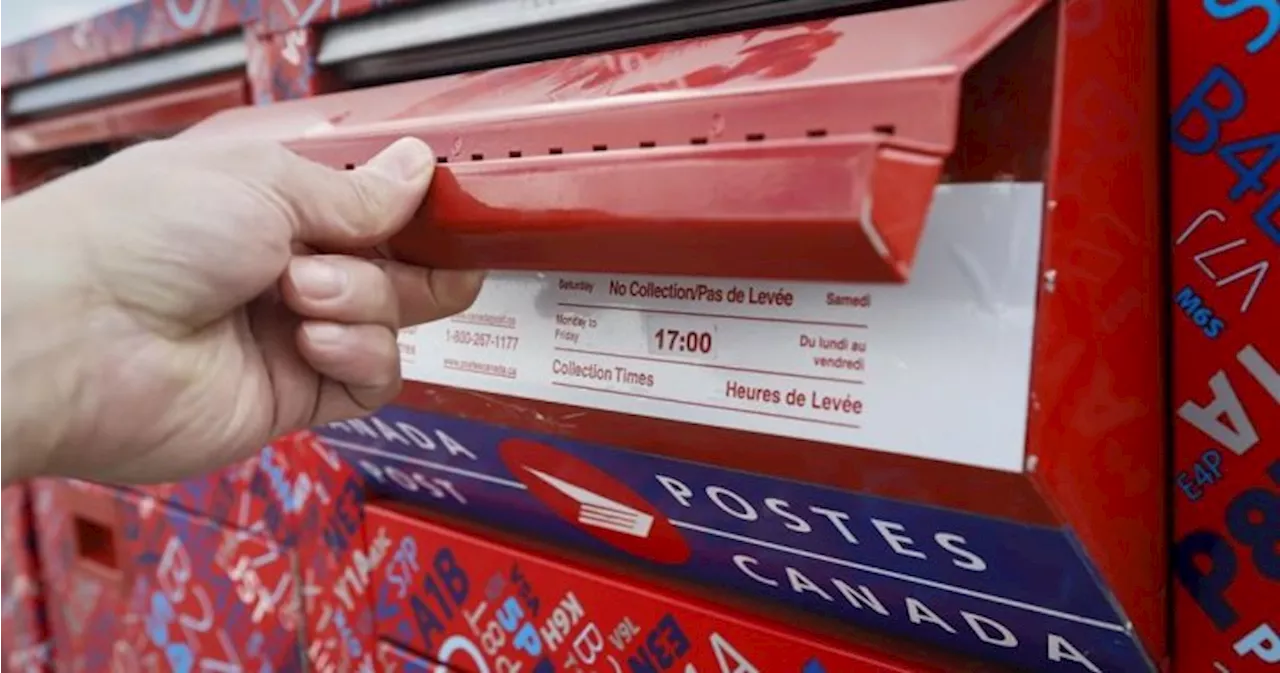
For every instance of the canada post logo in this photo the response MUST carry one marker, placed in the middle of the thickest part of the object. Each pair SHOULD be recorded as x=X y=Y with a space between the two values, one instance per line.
x=596 y=503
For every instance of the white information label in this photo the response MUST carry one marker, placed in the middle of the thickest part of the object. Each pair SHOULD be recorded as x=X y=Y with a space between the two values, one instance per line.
x=938 y=367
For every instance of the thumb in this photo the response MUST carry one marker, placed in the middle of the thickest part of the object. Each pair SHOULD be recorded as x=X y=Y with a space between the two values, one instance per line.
x=340 y=211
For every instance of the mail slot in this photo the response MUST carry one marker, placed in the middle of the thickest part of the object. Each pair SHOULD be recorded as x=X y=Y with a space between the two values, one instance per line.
x=57 y=124
x=476 y=604
x=957 y=406
x=821 y=142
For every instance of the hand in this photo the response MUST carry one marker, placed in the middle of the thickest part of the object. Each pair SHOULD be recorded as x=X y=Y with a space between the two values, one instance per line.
x=174 y=308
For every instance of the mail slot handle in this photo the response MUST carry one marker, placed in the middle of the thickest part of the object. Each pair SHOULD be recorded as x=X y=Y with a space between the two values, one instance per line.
x=840 y=208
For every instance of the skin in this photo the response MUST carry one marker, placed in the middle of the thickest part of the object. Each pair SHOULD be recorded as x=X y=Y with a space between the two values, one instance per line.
x=172 y=309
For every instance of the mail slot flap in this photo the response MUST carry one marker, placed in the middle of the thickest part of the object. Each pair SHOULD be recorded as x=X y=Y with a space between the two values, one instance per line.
x=823 y=139
x=471 y=603
x=152 y=114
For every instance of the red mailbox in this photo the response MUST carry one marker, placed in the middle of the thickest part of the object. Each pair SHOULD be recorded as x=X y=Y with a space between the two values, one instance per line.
x=845 y=324
x=861 y=304
x=1225 y=211
x=54 y=125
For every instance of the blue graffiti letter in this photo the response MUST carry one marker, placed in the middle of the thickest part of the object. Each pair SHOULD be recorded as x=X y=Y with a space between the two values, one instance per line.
x=1214 y=116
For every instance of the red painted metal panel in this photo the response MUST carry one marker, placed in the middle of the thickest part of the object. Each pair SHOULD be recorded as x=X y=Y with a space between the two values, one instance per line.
x=824 y=148
x=282 y=66
x=135 y=585
x=282 y=15
x=479 y=605
x=1225 y=214
x=850 y=207
x=154 y=114
x=392 y=659
x=1096 y=442
x=26 y=647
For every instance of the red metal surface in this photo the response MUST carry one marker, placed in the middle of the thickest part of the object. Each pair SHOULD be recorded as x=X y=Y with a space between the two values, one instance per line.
x=137 y=585
x=281 y=15
x=477 y=605
x=830 y=157
x=146 y=26
x=282 y=65
x=1225 y=240
x=861 y=215
x=1096 y=442
x=392 y=659
x=134 y=29
x=26 y=646
x=150 y=115
x=296 y=494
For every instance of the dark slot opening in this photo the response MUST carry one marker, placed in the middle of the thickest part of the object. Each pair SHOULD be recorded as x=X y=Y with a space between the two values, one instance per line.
x=599 y=148
x=698 y=140
x=442 y=160
x=755 y=137
x=646 y=144
x=349 y=167
x=816 y=133
x=556 y=150
x=886 y=129
x=95 y=542
x=515 y=154
x=477 y=157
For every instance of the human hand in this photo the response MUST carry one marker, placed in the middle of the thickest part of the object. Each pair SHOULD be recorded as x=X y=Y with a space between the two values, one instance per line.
x=175 y=307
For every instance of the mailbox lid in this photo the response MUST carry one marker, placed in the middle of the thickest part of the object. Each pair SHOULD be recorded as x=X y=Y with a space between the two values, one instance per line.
x=820 y=141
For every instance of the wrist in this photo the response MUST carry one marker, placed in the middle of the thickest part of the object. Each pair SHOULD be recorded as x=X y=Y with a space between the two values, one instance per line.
x=41 y=335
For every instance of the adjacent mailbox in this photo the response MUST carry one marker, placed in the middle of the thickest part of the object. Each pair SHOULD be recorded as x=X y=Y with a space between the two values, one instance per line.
x=1225 y=210
x=139 y=585
x=55 y=126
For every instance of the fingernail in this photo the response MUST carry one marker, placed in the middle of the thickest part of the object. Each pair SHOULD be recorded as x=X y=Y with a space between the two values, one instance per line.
x=315 y=279
x=323 y=333
x=467 y=280
x=406 y=160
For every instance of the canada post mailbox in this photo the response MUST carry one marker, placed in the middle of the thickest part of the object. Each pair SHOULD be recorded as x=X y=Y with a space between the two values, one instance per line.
x=851 y=317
